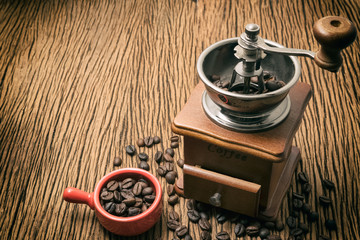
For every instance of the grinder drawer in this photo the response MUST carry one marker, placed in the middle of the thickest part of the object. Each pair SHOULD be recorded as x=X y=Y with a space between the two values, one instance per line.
x=221 y=190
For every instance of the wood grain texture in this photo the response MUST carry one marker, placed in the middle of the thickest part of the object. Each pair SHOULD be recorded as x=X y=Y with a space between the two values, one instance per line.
x=79 y=80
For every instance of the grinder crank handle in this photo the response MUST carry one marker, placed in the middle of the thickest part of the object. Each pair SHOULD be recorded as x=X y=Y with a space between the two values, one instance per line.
x=333 y=33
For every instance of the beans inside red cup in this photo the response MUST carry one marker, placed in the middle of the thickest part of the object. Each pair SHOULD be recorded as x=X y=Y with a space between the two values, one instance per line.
x=116 y=201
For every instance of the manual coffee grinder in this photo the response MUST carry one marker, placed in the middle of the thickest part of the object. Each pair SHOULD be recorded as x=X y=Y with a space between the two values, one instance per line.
x=237 y=139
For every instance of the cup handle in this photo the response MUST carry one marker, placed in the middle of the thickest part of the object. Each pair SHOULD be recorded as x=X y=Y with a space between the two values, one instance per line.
x=74 y=195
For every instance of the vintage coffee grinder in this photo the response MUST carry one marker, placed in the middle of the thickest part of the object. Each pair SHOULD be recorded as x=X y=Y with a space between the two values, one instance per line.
x=237 y=139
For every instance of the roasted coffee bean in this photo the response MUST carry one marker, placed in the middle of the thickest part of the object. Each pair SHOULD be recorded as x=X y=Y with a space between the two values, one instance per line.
x=205 y=235
x=170 y=177
x=130 y=149
x=306 y=188
x=279 y=225
x=252 y=231
x=204 y=215
x=143 y=156
x=120 y=186
x=204 y=224
x=129 y=201
x=174 y=144
x=117 y=161
x=180 y=163
x=140 y=142
x=173 y=216
x=239 y=230
x=148 y=141
x=304 y=227
x=144 y=165
x=190 y=204
x=147 y=191
x=161 y=171
x=181 y=231
x=221 y=218
x=117 y=197
x=158 y=156
x=143 y=183
x=273 y=237
x=172 y=200
x=306 y=208
x=313 y=216
x=303 y=177
x=149 y=198
x=273 y=85
x=297 y=203
x=120 y=209
x=126 y=193
x=193 y=215
x=169 y=166
x=104 y=189
x=172 y=224
x=143 y=207
x=109 y=207
x=133 y=211
x=170 y=151
x=270 y=225
x=298 y=196
x=263 y=233
x=330 y=224
x=112 y=185
x=328 y=184
x=137 y=189
x=267 y=75
x=291 y=222
x=106 y=196
x=256 y=224
x=138 y=202
x=170 y=189
x=174 y=139
x=296 y=232
x=128 y=183
x=324 y=201
x=168 y=158
x=157 y=139
x=222 y=236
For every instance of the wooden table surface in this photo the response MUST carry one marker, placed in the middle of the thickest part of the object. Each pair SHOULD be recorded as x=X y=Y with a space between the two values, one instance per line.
x=80 y=80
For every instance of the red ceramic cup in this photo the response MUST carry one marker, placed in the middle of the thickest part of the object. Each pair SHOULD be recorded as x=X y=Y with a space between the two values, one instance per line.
x=124 y=226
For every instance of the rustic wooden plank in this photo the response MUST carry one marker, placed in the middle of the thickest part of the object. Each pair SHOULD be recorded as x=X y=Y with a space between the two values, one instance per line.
x=80 y=80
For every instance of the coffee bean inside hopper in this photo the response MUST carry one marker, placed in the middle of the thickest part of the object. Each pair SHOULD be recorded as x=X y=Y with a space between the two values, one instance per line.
x=127 y=198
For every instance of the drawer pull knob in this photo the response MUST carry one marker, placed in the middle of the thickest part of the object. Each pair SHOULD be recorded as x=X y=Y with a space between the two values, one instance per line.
x=215 y=200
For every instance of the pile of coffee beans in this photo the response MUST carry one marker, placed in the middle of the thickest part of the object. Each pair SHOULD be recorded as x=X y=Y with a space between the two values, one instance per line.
x=300 y=206
x=128 y=197
x=269 y=79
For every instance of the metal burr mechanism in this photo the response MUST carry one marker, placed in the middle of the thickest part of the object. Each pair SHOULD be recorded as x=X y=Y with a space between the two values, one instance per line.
x=246 y=105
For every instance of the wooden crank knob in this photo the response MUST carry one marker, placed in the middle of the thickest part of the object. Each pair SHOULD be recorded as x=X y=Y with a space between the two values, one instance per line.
x=334 y=34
